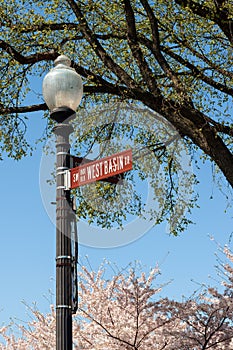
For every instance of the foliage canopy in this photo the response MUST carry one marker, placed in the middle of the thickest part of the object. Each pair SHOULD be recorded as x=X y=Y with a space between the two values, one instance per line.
x=174 y=57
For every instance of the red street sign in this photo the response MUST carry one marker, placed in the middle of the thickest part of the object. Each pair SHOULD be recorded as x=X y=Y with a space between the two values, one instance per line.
x=100 y=169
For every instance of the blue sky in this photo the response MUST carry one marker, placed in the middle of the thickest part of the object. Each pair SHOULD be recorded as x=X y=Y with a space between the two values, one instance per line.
x=27 y=249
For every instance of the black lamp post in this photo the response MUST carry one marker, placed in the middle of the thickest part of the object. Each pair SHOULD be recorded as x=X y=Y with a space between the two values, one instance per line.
x=62 y=91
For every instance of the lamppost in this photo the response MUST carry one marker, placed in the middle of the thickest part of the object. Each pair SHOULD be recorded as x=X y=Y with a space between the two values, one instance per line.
x=62 y=91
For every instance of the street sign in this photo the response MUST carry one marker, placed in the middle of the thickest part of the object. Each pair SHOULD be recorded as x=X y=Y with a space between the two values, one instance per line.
x=91 y=171
x=77 y=161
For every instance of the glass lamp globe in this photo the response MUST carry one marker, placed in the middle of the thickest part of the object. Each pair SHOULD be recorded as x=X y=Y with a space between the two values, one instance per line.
x=62 y=89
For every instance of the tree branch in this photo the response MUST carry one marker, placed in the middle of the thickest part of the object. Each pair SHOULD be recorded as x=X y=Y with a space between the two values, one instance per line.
x=44 y=56
x=105 y=328
x=156 y=49
x=98 y=48
x=194 y=70
x=198 y=73
x=23 y=109
x=47 y=26
x=219 y=16
x=146 y=72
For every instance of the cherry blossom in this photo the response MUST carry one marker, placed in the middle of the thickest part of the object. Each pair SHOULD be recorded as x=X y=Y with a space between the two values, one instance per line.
x=126 y=312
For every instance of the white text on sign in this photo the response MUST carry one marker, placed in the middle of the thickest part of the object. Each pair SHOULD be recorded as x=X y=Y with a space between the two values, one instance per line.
x=100 y=169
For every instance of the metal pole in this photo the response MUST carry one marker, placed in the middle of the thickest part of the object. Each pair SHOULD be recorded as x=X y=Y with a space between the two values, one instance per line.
x=63 y=242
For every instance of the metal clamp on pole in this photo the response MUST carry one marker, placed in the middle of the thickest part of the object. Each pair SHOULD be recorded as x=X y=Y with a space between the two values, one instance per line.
x=61 y=153
x=64 y=257
x=63 y=307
